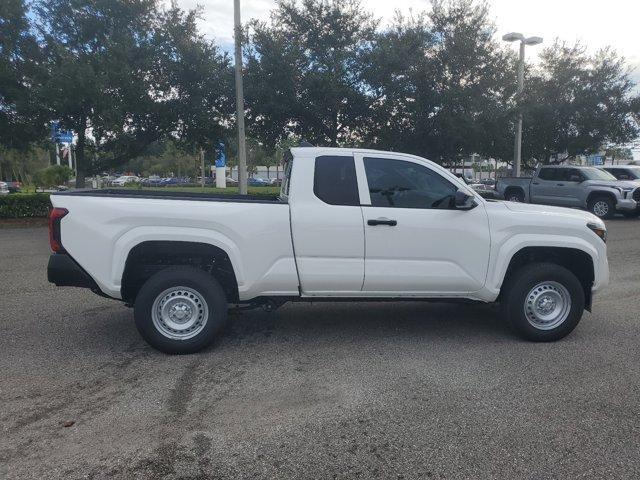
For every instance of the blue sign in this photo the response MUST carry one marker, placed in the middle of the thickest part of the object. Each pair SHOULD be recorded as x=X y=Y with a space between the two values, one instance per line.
x=65 y=137
x=54 y=130
x=221 y=158
x=595 y=160
x=60 y=136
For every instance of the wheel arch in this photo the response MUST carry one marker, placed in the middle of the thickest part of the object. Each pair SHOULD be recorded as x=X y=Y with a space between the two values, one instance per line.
x=576 y=260
x=516 y=189
x=602 y=193
x=152 y=256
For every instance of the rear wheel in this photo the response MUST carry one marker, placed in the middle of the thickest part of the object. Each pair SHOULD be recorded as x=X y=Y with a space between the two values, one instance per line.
x=180 y=310
x=602 y=206
x=543 y=302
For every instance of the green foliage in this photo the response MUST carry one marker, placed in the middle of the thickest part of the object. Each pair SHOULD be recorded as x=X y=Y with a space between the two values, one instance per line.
x=21 y=117
x=133 y=74
x=138 y=83
x=575 y=103
x=52 y=176
x=304 y=72
x=24 y=205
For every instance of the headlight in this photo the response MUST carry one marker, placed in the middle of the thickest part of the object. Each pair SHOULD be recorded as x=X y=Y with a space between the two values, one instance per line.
x=599 y=231
x=624 y=190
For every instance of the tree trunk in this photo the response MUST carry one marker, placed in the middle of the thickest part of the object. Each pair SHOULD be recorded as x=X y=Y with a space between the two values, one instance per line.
x=81 y=167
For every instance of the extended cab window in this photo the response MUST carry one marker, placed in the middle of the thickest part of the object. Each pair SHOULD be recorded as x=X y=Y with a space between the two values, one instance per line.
x=334 y=180
x=401 y=184
x=549 y=174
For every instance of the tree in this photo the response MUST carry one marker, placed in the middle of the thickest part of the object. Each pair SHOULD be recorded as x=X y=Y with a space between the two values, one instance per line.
x=128 y=74
x=575 y=103
x=304 y=72
x=21 y=121
x=199 y=77
x=441 y=84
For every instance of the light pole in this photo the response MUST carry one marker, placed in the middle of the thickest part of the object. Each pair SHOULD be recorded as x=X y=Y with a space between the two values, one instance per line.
x=515 y=37
x=242 y=151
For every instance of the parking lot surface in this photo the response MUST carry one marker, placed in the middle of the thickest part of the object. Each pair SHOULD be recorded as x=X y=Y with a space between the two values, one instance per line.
x=329 y=390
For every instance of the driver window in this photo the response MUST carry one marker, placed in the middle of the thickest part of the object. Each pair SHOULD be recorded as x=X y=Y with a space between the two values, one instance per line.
x=402 y=184
x=572 y=175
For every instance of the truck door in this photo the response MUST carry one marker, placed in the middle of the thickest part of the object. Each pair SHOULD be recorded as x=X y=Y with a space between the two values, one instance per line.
x=543 y=187
x=327 y=226
x=569 y=189
x=416 y=243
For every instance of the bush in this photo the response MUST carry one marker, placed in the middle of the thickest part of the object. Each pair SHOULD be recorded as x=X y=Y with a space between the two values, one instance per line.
x=24 y=205
x=52 y=176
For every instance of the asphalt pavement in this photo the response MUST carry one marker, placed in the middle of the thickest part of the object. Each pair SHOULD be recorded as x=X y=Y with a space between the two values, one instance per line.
x=325 y=390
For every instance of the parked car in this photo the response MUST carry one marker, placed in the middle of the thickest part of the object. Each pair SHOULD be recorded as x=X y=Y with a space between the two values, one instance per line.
x=486 y=192
x=489 y=182
x=231 y=182
x=14 y=187
x=4 y=188
x=415 y=229
x=165 y=182
x=275 y=182
x=151 y=181
x=123 y=180
x=624 y=172
x=585 y=187
x=257 y=182
x=207 y=181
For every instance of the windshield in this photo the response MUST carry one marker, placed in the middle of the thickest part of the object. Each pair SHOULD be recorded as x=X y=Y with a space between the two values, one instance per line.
x=592 y=173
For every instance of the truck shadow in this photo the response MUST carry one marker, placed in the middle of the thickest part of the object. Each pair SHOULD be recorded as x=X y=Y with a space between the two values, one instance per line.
x=343 y=321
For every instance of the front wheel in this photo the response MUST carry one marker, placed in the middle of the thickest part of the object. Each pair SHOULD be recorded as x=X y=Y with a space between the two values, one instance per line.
x=180 y=310
x=543 y=302
x=602 y=207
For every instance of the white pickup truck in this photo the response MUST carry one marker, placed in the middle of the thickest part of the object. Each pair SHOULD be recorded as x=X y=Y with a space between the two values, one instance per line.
x=349 y=224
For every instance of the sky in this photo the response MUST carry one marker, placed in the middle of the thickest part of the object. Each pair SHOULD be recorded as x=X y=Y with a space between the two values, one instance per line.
x=595 y=23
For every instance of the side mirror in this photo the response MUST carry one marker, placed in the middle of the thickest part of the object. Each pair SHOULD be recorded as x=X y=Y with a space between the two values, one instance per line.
x=464 y=201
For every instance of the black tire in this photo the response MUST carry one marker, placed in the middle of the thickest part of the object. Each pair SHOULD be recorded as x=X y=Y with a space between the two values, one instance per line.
x=602 y=202
x=208 y=297
x=514 y=195
x=519 y=292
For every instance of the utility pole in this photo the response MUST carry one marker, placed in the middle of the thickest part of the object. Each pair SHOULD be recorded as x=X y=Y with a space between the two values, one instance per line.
x=202 y=165
x=242 y=151
x=513 y=37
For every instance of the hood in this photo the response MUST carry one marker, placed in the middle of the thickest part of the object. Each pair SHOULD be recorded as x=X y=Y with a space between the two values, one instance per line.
x=554 y=211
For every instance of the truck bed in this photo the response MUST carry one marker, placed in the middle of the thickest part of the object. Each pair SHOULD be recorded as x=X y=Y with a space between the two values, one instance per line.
x=172 y=195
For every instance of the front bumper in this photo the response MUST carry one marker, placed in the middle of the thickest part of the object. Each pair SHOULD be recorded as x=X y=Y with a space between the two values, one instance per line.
x=63 y=271
x=627 y=205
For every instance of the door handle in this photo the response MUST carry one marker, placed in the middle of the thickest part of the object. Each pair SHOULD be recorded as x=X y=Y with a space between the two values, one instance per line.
x=382 y=221
x=560 y=184
x=535 y=183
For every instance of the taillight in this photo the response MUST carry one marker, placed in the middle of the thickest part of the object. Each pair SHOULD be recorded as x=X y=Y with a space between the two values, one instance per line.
x=55 y=215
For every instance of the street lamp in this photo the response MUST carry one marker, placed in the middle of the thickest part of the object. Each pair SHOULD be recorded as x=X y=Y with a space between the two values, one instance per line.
x=518 y=37
x=242 y=151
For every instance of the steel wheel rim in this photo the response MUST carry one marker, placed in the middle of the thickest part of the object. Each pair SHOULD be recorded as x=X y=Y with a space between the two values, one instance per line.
x=547 y=305
x=601 y=208
x=179 y=313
